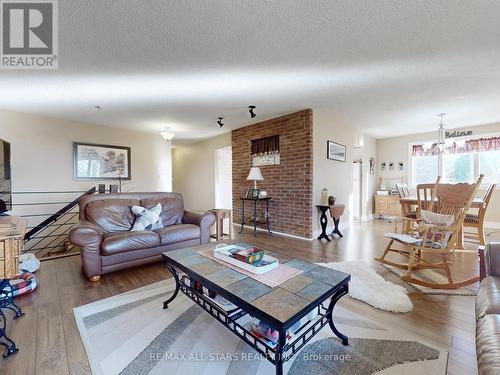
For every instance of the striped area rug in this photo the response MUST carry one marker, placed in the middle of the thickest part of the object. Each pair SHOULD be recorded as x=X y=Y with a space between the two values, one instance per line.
x=130 y=333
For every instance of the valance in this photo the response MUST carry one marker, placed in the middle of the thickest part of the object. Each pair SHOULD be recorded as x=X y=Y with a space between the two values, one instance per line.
x=458 y=147
x=267 y=145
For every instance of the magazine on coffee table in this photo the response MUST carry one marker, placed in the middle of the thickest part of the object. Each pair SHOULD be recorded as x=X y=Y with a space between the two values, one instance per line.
x=250 y=259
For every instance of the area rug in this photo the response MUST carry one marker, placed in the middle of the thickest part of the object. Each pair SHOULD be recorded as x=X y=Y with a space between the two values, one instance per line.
x=368 y=286
x=435 y=277
x=130 y=333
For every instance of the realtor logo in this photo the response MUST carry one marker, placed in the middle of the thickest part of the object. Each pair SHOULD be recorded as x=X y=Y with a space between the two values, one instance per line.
x=29 y=34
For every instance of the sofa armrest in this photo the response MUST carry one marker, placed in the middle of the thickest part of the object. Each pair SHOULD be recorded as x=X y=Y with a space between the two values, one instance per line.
x=89 y=237
x=492 y=259
x=203 y=219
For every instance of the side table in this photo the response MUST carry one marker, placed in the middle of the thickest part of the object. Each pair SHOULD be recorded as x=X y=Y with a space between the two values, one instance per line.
x=220 y=215
x=336 y=211
x=324 y=221
x=266 y=219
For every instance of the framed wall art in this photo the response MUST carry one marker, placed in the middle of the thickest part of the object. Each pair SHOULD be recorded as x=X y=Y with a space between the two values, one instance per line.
x=336 y=151
x=101 y=162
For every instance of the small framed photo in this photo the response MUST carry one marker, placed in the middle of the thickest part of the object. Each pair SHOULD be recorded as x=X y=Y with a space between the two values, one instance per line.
x=255 y=193
x=247 y=193
x=336 y=151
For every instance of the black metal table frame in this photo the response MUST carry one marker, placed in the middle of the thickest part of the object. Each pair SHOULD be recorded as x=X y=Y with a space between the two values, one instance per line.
x=283 y=351
x=323 y=219
x=255 y=200
x=7 y=302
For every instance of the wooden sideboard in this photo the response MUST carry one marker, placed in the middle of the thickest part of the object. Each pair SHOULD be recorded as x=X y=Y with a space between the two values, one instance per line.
x=12 y=230
x=387 y=205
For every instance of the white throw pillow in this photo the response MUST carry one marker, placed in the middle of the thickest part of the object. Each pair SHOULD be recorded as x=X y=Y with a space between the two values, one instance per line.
x=147 y=219
x=433 y=218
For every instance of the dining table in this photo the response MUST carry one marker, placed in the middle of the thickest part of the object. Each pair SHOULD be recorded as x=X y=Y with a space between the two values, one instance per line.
x=407 y=202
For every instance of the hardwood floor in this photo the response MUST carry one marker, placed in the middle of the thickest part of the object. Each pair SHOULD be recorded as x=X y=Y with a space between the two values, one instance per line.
x=49 y=341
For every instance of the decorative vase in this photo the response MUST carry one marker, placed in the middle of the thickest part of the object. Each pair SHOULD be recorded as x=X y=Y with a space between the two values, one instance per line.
x=324 y=197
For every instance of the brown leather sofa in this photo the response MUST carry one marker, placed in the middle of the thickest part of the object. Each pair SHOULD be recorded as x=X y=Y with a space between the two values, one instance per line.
x=108 y=245
x=488 y=313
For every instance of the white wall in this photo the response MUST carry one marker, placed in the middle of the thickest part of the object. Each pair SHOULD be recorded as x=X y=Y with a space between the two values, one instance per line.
x=337 y=176
x=42 y=153
x=194 y=171
x=396 y=149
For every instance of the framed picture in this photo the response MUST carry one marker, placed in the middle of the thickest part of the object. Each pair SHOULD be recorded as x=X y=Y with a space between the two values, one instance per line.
x=247 y=193
x=255 y=193
x=100 y=162
x=336 y=151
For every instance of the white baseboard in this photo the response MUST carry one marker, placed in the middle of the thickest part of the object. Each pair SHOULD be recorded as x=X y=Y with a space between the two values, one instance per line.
x=342 y=227
x=250 y=227
x=492 y=224
x=367 y=218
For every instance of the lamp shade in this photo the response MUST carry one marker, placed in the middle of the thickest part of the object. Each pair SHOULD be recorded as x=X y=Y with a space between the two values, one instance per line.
x=255 y=174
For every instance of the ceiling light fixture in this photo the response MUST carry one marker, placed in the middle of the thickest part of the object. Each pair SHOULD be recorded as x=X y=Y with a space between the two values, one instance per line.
x=167 y=134
x=250 y=109
x=219 y=121
x=441 y=132
x=99 y=107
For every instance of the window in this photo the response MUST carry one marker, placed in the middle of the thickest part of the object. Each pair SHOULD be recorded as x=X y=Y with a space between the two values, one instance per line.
x=424 y=169
x=489 y=165
x=458 y=168
x=460 y=161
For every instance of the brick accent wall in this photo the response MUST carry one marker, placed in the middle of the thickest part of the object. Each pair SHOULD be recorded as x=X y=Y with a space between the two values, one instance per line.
x=289 y=184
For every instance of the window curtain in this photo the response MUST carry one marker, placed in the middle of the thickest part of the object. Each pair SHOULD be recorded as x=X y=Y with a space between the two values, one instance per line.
x=267 y=145
x=458 y=147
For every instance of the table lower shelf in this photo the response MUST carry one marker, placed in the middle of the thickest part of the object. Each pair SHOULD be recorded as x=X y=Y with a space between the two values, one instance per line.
x=233 y=322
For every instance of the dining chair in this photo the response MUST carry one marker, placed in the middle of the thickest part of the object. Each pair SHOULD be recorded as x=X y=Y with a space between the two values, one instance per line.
x=403 y=190
x=477 y=220
x=408 y=211
x=425 y=194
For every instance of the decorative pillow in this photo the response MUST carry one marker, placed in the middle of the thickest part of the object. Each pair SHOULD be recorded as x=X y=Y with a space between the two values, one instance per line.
x=433 y=218
x=147 y=219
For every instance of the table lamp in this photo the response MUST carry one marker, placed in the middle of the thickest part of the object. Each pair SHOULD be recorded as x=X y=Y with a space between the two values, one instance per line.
x=255 y=176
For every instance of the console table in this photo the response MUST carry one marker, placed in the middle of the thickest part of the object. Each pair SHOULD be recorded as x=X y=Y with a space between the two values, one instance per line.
x=336 y=212
x=266 y=219
x=324 y=221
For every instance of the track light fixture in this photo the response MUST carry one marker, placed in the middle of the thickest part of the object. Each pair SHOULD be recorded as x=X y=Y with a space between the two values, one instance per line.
x=250 y=109
x=219 y=121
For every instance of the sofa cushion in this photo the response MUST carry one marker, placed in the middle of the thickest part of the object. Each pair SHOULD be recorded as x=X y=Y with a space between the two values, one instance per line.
x=488 y=344
x=147 y=219
x=115 y=243
x=172 y=208
x=178 y=233
x=112 y=215
x=488 y=297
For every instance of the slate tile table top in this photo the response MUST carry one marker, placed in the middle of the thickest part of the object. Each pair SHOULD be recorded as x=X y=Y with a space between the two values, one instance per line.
x=281 y=306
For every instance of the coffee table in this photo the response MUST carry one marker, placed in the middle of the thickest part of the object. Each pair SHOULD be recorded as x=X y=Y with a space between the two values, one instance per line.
x=317 y=288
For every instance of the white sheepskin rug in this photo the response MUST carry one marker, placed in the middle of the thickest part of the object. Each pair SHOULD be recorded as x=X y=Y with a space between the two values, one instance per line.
x=368 y=286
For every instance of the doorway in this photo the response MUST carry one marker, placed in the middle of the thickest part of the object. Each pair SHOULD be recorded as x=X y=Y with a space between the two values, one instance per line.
x=223 y=178
x=357 y=189
x=224 y=181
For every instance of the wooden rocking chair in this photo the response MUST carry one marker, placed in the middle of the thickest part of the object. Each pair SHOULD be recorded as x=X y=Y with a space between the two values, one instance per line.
x=437 y=233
